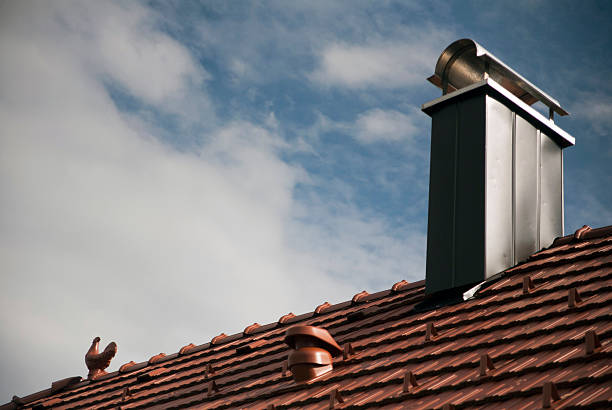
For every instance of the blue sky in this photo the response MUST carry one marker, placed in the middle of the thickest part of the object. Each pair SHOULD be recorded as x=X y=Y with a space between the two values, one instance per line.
x=174 y=170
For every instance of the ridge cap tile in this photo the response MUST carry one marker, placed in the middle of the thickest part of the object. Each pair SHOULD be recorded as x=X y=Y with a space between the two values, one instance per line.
x=283 y=319
x=297 y=318
x=251 y=328
x=320 y=309
x=156 y=358
x=217 y=339
x=186 y=349
x=264 y=328
x=228 y=339
x=359 y=297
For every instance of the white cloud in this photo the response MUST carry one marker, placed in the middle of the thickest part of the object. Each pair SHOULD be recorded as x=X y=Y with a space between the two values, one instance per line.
x=380 y=125
x=374 y=125
x=596 y=109
x=107 y=231
x=131 y=50
x=382 y=65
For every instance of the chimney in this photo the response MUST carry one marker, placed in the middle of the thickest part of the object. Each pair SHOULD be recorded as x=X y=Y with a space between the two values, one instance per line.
x=496 y=176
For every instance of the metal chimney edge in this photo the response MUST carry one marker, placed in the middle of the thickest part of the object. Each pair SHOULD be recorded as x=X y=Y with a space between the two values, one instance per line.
x=465 y=62
x=563 y=138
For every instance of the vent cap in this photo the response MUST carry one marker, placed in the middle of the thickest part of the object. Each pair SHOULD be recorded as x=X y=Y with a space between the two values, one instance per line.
x=312 y=352
x=311 y=336
x=466 y=62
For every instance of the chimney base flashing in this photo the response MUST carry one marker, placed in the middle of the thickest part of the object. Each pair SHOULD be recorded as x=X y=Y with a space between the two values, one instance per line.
x=442 y=298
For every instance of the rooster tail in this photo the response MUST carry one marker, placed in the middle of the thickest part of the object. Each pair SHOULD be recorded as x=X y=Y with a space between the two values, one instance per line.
x=112 y=347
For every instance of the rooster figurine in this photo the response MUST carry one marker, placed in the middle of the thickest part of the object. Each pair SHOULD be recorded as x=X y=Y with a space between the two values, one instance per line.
x=97 y=362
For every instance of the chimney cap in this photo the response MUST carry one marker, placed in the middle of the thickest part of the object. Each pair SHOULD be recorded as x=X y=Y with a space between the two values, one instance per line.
x=466 y=62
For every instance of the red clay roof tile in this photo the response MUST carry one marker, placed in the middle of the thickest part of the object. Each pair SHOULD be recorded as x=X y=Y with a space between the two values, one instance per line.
x=285 y=318
x=360 y=296
x=157 y=358
x=186 y=349
x=502 y=348
x=249 y=329
x=322 y=307
x=217 y=339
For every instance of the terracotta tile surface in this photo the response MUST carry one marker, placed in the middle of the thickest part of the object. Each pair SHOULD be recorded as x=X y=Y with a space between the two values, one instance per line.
x=532 y=335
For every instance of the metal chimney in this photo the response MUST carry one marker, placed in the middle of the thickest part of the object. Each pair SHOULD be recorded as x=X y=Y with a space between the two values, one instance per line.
x=496 y=176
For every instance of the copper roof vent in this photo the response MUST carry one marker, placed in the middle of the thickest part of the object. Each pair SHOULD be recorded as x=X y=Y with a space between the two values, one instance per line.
x=312 y=351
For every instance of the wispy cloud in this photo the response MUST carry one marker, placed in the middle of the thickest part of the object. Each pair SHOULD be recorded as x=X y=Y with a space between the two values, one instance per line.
x=109 y=230
x=375 y=125
x=386 y=65
x=379 y=125
x=399 y=60
x=596 y=109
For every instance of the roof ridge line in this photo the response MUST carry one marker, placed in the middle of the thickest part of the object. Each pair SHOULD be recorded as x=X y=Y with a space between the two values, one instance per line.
x=566 y=342
x=405 y=288
x=493 y=315
x=583 y=233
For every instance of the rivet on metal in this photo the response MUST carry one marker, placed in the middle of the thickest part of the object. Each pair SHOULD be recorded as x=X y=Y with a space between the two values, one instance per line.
x=573 y=297
x=591 y=342
x=335 y=396
x=485 y=364
x=549 y=394
x=430 y=332
x=348 y=351
x=527 y=284
x=410 y=382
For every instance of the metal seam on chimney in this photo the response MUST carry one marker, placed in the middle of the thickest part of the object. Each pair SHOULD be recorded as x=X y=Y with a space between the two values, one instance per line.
x=538 y=186
x=514 y=179
x=562 y=199
x=455 y=172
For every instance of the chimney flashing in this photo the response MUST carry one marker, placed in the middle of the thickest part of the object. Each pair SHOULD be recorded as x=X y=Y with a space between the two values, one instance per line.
x=491 y=87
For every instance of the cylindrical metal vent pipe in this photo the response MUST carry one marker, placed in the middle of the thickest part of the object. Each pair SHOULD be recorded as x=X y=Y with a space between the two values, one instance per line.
x=465 y=62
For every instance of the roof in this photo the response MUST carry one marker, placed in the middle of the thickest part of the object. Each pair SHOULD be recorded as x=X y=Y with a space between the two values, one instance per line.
x=540 y=328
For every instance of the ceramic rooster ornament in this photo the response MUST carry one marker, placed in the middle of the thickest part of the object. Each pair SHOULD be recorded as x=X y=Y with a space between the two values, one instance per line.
x=97 y=362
